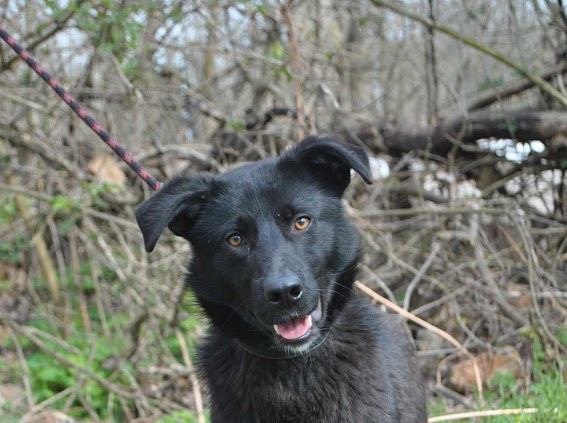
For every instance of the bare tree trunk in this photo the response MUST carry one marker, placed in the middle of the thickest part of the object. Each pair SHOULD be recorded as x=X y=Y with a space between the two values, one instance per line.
x=353 y=40
x=431 y=78
x=295 y=59
x=209 y=59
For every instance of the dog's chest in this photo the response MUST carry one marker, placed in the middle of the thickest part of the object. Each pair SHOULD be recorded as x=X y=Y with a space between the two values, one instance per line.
x=331 y=384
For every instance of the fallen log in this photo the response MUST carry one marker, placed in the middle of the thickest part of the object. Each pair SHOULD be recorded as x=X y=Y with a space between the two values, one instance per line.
x=549 y=127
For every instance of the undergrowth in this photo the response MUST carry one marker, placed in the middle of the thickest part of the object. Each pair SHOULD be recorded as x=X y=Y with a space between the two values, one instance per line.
x=102 y=355
x=547 y=392
x=106 y=355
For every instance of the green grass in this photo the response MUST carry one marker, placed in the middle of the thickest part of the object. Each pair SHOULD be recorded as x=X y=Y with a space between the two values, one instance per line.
x=547 y=393
x=48 y=376
x=182 y=416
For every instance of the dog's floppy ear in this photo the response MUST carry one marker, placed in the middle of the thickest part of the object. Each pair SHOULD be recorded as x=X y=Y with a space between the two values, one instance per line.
x=332 y=160
x=174 y=205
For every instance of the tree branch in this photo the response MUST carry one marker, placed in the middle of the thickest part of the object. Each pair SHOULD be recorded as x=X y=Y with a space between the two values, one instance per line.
x=513 y=88
x=536 y=79
x=58 y=25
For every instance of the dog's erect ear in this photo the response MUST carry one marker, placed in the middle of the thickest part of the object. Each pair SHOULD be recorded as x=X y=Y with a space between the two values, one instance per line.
x=174 y=205
x=332 y=160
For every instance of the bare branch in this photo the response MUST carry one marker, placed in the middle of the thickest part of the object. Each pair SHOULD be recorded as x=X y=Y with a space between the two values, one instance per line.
x=536 y=79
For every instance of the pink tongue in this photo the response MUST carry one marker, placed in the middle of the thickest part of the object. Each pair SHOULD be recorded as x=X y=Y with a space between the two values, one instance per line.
x=295 y=328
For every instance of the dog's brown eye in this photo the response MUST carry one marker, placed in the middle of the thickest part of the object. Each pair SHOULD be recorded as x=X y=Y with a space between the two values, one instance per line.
x=235 y=240
x=302 y=223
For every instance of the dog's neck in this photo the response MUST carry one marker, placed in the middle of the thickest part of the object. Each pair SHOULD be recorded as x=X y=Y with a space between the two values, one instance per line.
x=230 y=324
x=271 y=353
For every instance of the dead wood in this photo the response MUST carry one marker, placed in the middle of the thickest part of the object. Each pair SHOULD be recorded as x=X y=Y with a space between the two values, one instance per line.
x=550 y=127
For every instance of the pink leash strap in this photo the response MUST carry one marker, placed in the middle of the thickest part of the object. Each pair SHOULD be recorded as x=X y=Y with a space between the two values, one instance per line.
x=81 y=111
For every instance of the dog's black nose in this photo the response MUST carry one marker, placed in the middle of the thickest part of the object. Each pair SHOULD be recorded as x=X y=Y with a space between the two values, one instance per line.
x=286 y=289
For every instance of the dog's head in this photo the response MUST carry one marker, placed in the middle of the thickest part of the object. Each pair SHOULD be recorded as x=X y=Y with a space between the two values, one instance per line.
x=273 y=253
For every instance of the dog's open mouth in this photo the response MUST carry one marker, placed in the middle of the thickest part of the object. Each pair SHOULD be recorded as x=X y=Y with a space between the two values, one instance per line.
x=298 y=327
x=295 y=328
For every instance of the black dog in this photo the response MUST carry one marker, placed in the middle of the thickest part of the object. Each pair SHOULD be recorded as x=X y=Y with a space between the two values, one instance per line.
x=274 y=259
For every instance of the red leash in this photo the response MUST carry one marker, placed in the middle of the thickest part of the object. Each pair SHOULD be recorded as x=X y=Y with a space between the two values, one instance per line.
x=82 y=112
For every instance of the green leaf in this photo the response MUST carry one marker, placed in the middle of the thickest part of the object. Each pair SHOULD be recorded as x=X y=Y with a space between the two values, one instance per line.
x=283 y=70
x=64 y=203
x=8 y=210
x=562 y=334
x=176 y=14
x=276 y=50
x=237 y=125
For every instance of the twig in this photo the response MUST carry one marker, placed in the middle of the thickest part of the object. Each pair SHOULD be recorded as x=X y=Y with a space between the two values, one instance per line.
x=536 y=79
x=488 y=278
x=107 y=251
x=24 y=101
x=430 y=210
x=486 y=99
x=42 y=149
x=76 y=272
x=381 y=284
x=135 y=329
x=428 y=326
x=182 y=152
x=95 y=277
x=443 y=390
x=486 y=413
x=419 y=275
x=405 y=265
x=532 y=265
x=64 y=361
x=49 y=199
x=37 y=332
x=26 y=370
x=42 y=251
x=46 y=403
x=441 y=300
x=192 y=376
x=58 y=25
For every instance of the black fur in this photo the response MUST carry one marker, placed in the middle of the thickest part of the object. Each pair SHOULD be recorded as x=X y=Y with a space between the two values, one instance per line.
x=355 y=364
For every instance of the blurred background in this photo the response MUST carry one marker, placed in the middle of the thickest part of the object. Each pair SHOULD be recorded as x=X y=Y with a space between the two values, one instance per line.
x=462 y=105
